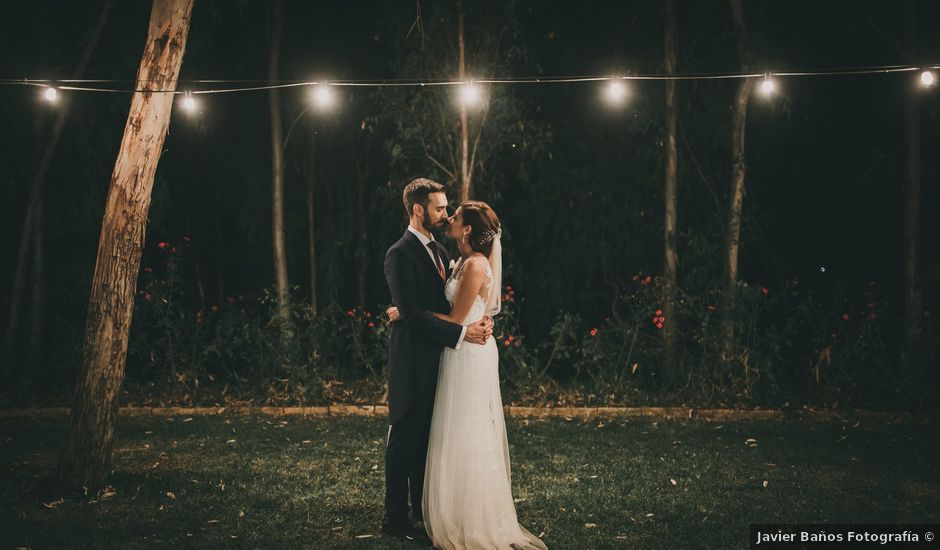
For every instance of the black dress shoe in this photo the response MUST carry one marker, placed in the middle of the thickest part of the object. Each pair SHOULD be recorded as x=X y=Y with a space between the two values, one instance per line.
x=406 y=531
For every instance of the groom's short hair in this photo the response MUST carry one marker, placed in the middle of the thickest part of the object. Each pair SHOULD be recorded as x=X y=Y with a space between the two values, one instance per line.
x=417 y=192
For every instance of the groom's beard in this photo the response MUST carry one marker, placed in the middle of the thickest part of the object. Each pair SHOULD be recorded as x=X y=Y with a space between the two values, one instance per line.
x=431 y=228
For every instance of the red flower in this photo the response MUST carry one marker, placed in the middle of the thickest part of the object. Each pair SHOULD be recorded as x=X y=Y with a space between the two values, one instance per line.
x=369 y=314
x=148 y=269
x=593 y=332
x=506 y=343
x=371 y=324
x=163 y=244
x=636 y=277
x=511 y=337
x=659 y=325
x=349 y=313
x=147 y=296
x=659 y=312
x=215 y=308
x=173 y=249
x=764 y=291
x=845 y=316
x=518 y=343
x=711 y=307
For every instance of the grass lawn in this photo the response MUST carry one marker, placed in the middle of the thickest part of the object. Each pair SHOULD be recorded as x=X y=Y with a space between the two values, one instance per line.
x=290 y=482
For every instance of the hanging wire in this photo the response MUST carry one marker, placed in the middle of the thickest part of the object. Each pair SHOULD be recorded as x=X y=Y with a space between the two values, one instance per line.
x=260 y=85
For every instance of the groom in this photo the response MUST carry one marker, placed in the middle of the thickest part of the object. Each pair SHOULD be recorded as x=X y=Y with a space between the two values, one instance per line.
x=415 y=270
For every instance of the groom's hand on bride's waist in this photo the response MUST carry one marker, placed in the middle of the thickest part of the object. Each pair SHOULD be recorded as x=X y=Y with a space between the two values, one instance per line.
x=479 y=332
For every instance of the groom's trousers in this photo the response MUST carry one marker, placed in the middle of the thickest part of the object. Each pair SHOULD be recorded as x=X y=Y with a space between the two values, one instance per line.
x=406 y=454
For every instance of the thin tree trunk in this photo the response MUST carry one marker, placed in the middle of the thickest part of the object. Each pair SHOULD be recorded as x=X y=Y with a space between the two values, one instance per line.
x=466 y=190
x=36 y=317
x=362 y=217
x=35 y=191
x=913 y=276
x=87 y=456
x=738 y=173
x=311 y=227
x=277 y=178
x=671 y=255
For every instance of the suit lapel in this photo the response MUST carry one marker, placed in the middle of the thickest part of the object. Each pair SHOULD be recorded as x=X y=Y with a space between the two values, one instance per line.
x=422 y=252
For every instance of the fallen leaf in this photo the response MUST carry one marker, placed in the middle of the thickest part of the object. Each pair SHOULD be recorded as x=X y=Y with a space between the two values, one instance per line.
x=765 y=483
x=190 y=419
x=672 y=481
x=54 y=503
x=364 y=536
x=590 y=525
x=171 y=495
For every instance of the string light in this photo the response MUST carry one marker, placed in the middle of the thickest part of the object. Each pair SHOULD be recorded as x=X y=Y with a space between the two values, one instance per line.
x=615 y=91
x=927 y=79
x=469 y=93
x=322 y=96
x=767 y=85
x=189 y=103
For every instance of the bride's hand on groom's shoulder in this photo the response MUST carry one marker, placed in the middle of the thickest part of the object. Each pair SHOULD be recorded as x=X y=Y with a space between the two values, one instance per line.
x=393 y=314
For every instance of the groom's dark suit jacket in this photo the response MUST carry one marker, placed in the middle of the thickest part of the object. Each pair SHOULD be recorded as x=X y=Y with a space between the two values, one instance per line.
x=417 y=341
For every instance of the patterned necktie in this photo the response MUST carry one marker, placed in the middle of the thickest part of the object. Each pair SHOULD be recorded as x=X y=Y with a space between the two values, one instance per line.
x=437 y=261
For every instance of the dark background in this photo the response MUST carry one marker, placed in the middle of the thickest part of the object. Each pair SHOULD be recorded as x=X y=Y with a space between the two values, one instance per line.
x=581 y=200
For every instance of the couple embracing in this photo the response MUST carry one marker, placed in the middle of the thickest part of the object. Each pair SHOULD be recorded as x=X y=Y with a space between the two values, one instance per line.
x=447 y=444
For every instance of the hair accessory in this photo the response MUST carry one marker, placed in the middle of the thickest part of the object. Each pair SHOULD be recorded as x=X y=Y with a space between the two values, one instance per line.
x=488 y=236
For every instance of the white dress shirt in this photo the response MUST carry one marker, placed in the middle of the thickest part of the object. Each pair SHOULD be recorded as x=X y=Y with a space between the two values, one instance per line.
x=424 y=242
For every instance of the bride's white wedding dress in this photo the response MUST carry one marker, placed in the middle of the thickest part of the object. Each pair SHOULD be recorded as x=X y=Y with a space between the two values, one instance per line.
x=467 y=501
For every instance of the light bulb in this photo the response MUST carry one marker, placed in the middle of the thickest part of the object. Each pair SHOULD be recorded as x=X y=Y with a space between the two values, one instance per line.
x=189 y=103
x=51 y=94
x=616 y=91
x=322 y=96
x=469 y=93
x=767 y=86
x=927 y=79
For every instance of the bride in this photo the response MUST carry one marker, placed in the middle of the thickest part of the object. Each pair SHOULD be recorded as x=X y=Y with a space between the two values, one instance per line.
x=467 y=501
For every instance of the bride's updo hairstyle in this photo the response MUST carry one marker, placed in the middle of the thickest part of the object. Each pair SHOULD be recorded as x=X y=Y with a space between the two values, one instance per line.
x=483 y=223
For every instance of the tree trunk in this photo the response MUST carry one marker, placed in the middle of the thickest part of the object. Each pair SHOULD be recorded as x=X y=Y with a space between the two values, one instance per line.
x=738 y=173
x=671 y=255
x=310 y=176
x=913 y=276
x=466 y=190
x=87 y=456
x=30 y=225
x=363 y=251
x=36 y=311
x=277 y=178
